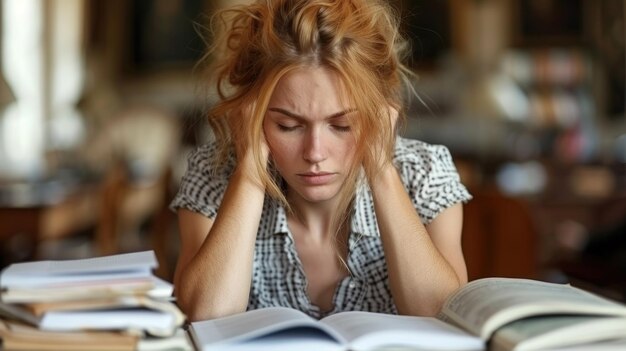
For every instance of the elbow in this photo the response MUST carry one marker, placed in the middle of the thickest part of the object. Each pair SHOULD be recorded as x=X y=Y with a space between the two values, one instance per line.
x=435 y=308
x=197 y=304
x=431 y=303
x=426 y=309
x=195 y=313
x=190 y=300
x=214 y=313
x=430 y=309
x=462 y=277
x=186 y=302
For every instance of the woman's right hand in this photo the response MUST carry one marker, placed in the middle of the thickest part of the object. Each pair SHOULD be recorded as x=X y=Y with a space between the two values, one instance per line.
x=246 y=159
x=382 y=156
x=247 y=164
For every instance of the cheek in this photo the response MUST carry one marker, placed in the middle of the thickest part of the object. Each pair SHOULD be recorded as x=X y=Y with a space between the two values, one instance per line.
x=279 y=145
x=347 y=151
x=281 y=157
x=275 y=144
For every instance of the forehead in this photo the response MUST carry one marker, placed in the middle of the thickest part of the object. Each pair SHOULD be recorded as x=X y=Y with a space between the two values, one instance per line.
x=310 y=91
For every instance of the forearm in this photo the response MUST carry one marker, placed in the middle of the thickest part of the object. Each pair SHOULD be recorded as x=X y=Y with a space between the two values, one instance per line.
x=420 y=277
x=216 y=281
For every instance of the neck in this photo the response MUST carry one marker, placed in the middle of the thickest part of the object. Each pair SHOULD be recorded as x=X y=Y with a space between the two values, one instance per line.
x=314 y=218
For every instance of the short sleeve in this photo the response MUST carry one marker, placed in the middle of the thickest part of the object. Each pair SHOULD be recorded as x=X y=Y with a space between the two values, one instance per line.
x=203 y=185
x=430 y=177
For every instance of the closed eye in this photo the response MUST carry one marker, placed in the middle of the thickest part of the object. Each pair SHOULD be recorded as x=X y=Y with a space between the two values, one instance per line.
x=343 y=129
x=287 y=128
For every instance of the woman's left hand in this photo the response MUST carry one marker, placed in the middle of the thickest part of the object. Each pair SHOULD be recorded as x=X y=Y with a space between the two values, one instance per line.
x=381 y=152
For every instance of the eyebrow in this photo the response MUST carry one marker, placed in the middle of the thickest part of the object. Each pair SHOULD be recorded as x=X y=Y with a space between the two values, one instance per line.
x=299 y=117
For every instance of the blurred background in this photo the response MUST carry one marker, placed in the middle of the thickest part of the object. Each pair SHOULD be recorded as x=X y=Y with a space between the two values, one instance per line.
x=100 y=105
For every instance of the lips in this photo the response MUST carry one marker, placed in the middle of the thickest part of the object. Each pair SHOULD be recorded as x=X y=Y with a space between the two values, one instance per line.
x=316 y=178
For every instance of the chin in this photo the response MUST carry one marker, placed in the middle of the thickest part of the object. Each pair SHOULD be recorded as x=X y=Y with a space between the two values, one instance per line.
x=318 y=195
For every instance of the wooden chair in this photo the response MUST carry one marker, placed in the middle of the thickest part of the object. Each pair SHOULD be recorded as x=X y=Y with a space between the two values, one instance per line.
x=136 y=148
x=499 y=237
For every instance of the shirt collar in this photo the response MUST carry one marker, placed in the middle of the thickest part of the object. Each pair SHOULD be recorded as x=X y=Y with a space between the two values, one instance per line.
x=363 y=216
x=276 y=216
x=363 y=220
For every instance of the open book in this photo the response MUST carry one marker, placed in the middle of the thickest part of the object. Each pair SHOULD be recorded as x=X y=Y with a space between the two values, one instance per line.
x=280 y=328
x=523 y=314
x=507 y=313
x=563 y=331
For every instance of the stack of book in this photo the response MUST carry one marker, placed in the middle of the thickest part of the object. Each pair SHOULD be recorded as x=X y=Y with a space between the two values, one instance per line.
x=102 y=303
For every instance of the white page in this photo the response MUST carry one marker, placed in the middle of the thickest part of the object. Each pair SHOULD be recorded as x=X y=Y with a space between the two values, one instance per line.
x=296 y=339
x=547 y=332
x=162 y=289
x=85 y=289
x=368 y=331
x=177 y=342
x=137 y=319
x=31 y=274
x=75 y=280
x=483 y=305
x=611 y=345
x=238 y=328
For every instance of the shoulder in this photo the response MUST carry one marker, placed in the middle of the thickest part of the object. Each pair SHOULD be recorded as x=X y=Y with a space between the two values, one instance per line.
x=430 y=177
x=205 y=180
x=418 y=153
x=206 y=157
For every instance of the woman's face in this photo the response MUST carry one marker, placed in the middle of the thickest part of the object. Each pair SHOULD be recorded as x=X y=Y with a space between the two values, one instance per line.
x=309 y=134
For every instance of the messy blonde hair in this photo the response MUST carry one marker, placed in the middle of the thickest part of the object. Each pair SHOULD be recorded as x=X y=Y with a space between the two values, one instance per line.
x=255 y=45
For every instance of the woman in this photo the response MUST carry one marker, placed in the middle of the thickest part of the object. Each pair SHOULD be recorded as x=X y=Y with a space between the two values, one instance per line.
x=307 y=198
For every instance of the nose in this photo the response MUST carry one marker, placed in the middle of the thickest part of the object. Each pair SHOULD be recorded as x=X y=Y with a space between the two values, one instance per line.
x=314 y=146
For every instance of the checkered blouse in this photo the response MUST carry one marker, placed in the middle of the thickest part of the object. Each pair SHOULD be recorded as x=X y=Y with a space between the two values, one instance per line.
x=431 y=181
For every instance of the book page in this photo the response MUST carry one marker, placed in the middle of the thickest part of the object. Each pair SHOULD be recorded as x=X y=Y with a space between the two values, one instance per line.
x=254 y=324
x=290 y=339
x=369 y=331
x=84 y=290
x=540 y=333
x=17 y=313
x=161 y=289
x=40 y=273
x=155 y=322
x=485 y=304
x=151 y=286
x=16 y=336
x=610 y=345
x=177 y=342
